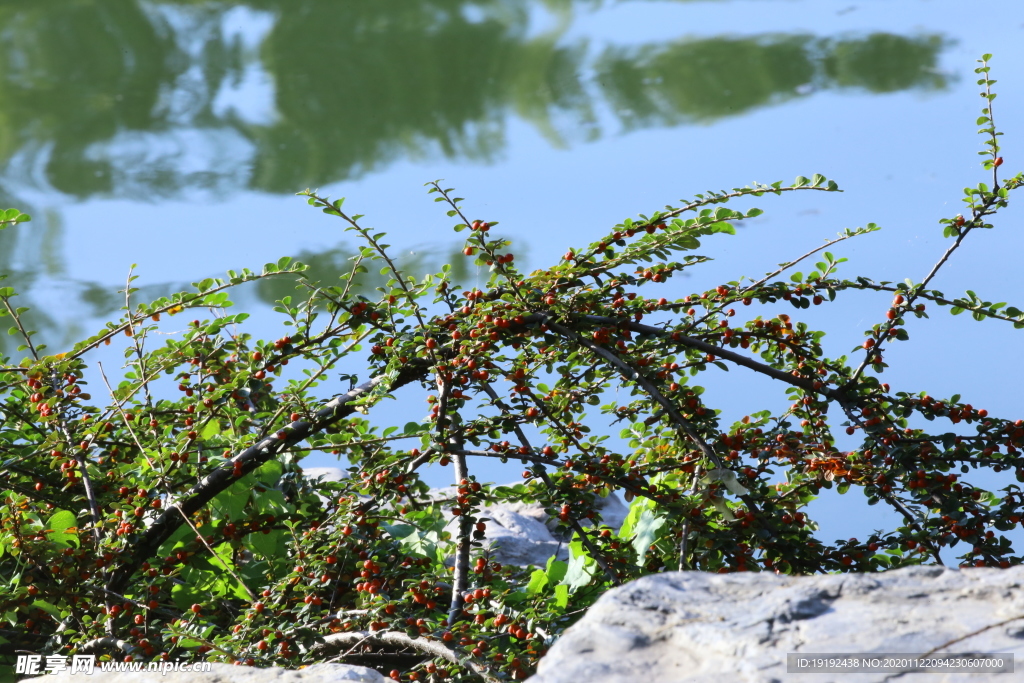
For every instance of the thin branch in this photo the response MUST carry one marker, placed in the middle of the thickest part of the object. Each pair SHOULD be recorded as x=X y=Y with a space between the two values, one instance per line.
x=912 y=296
x=784 y=267
x=636 y=376
x=21 y=328
x=336 y=641
x=250 y=458
x=99 y=643
x=460 y=572
x=595 y=552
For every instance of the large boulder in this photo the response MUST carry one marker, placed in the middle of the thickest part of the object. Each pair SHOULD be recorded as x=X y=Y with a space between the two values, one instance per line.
x=709 y=628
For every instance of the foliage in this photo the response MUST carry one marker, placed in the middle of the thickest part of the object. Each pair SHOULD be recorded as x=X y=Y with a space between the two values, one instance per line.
x=151 y=527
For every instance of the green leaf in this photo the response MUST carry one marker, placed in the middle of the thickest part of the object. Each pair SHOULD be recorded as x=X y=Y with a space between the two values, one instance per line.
x=230 y=504
x=581 y=567
x=423 y=543
x=47 y=607
x=646 y=529
x=270 y=546
x=269 y=472
x=562 y=596
x=270 y=502
x=556 y=570
x=211 y=429
x=59 y=523
x=538 y=581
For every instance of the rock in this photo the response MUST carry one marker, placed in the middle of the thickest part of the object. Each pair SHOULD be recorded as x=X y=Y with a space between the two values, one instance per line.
x=710 y=628
x=226 y=673
x=613 y=512
x=518 y=533
x=324 y=473
x=518 y=539
x=523 y=534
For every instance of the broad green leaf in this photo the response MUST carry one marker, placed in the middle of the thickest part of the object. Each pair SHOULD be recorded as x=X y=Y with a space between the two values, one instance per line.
x=270 y=472
x=60 y=522
x=538 y=581
x=270 y=545
x=562 y=596
x=211 y=429
x=581 y=567
x=270 y=502
x=556 y=570
x=646 y=529
x=230 y=504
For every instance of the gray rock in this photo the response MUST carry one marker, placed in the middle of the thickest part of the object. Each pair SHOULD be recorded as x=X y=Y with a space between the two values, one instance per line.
x=324 y=473
x=710 y=628
x=518 y=539
x=523 y=534
x=227 y=673
x=613 y=512
x=519 y=533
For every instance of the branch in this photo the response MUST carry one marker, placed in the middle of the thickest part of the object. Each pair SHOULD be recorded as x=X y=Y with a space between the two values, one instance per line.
x=785 y=266
x=337 y=641
x=975 y=221
x=631 y=374
x=460 y=571
x=595 y=552
x=99 y=643
x=222 y=478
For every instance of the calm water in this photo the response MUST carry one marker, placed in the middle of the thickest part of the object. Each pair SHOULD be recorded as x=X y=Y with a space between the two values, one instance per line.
x=173 y=135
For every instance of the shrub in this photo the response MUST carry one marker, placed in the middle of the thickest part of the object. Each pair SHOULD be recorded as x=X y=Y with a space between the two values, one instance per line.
x=148 y=526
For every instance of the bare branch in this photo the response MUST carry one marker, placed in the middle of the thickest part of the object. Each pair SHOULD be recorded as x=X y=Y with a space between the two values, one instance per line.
x=337 y=641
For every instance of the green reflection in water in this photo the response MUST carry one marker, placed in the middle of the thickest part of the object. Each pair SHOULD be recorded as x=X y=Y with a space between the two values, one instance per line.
x=129 y=99
x=327 y=266
x=705 y=80
x=132 y=99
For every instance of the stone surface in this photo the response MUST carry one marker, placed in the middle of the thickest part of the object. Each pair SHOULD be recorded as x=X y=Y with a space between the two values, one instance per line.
x=518 y=533
x=226 y=673
x=613 y=512
x=712 y=628
x=324 y=473
x=519 y=539
x=523 y=534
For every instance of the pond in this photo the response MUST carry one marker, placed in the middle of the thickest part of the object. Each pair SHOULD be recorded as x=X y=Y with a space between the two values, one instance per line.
x=175 y=134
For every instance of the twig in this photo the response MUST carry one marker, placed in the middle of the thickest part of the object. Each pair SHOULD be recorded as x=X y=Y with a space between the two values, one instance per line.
x=252 y=457
x=595 y=552
x=97 y=643
x=631 y=374
x=337 y=641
